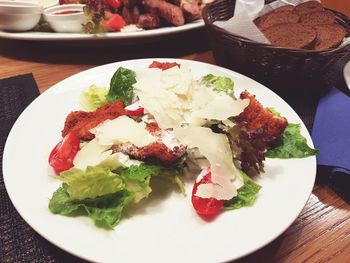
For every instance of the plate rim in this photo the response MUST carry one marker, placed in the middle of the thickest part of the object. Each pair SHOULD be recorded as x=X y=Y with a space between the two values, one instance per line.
x=346 y=73
x=122 y=36
x=77 y=75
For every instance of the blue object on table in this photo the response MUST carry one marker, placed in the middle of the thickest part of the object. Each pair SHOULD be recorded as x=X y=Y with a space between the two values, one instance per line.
x=331 y=135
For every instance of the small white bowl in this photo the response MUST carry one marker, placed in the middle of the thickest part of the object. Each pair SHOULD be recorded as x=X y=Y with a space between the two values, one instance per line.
x=66 y=18
x=19 y=16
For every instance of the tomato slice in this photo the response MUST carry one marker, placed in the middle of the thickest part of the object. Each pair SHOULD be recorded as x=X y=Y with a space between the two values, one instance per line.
x=115 y=3
x=135 y=113
x=206 y=207
x=135 y=110
x=62 y=156
x=163 y=65
x=114 y=22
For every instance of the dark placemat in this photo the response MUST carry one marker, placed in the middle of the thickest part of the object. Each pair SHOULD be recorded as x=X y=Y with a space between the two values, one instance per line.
x=18 y=241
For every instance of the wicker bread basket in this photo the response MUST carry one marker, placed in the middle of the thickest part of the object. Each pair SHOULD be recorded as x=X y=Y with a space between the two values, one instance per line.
x=284 y=70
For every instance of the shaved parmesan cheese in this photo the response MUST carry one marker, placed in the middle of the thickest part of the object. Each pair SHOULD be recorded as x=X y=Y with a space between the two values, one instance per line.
x=91 y=154
x=215 y=147
x=221 y=108
x=122 y=130
x=209 y=190
x=215 y=191
x=173 y=97
x=228 y=123
x=154 y=90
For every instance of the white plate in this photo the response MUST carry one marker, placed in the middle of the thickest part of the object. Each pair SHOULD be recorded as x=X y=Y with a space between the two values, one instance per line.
x=145 y=34
x=167 y=229
x=347 y=74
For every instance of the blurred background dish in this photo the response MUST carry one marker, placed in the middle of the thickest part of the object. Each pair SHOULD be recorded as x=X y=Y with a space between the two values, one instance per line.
x=115 y=38
x=19 y=16
x=44 y=3
x=65 y=18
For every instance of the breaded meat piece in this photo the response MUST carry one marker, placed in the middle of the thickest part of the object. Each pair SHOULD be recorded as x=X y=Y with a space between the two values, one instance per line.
x=166 y=149
x=256 y=118
x=80 y=122
x=169 y=12
x=156 y=150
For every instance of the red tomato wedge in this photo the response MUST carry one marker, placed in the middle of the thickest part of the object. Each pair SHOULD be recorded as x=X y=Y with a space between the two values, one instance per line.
x=62 y=156
x=115 y=3
x=135 y=110
x=114 y=22
x=163 y=65
x=135 y=113
x=207 y=207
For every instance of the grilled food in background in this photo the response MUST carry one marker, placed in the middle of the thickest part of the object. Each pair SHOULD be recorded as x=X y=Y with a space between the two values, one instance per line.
x=149 y=14
x=305 y=26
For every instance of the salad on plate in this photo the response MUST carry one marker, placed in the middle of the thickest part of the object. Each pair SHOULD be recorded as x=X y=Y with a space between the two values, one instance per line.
x=160 y=123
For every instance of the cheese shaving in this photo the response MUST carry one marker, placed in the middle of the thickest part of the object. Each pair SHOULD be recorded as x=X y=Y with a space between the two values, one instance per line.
x=122 y=130
x=215 y=147
x=173 y=97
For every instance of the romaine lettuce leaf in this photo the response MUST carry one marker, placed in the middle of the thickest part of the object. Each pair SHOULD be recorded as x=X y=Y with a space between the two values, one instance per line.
x=137 y=179
x=219 y=83
x=121 y=86
x=103 y=194
x=91 y=183
x=246 y=195
x=291 y=145
x=60 y=203
x=172 y=175
x=93 y=98
x=106 y=210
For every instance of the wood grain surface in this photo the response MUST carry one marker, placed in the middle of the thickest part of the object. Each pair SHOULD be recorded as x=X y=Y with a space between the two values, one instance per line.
x=320 y=234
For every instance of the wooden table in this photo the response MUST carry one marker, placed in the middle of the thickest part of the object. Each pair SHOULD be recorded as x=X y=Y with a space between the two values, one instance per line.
x=321 y=233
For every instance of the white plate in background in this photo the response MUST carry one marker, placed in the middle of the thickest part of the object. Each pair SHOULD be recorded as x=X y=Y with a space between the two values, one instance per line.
x=122 y=36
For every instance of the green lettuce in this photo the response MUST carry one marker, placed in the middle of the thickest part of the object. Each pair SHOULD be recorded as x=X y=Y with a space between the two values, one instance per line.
x=91 y=183
x=219 y=83
x=137 y=179
x=105 y=211
x=93 y=98
x=291 y=144
x=172 y=175
x=246 y=195
x=102 y=192
x=121 y=86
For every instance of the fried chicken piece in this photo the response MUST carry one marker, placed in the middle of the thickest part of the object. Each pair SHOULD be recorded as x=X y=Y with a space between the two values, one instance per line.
x=148 y=21
x=167 y=154
x=258 y=119
x=191 y=9
x=156 y=150
x=171 y=13
x=81 y=122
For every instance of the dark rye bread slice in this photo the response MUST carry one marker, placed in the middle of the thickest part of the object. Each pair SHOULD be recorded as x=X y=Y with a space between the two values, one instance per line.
x=295 y=36
x=275 y=18
x=318 y=18
x=308 y=7
x=328 y=36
